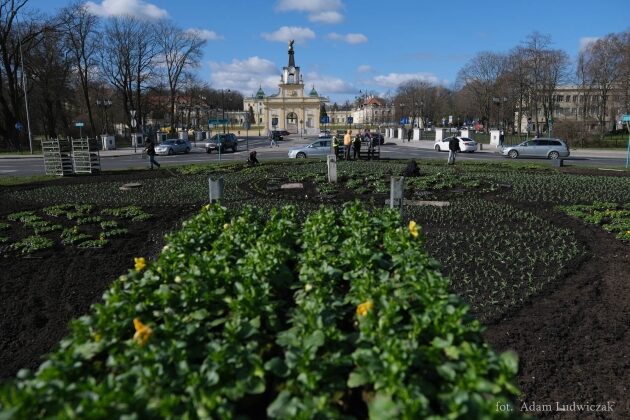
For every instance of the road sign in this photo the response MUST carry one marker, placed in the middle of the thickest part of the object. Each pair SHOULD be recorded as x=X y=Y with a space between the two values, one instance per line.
x=247 y=125
x=19 y=126
x=404 y=120
x=350 y=120
x=625 y=118
x=79 y=124
x=324 y=120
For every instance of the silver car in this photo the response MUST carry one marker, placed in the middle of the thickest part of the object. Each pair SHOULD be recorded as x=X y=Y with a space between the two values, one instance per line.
x=317 y=148
x=170 y=147
x=542 y=148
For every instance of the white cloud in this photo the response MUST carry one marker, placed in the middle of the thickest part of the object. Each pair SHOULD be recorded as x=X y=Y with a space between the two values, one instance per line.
x=326 y=17
x=246 y=75
x=326 y=11
x=205 y=34
x=349 y=38
x=137 y=8
x=585 y=41
x=393 y=80
x=325 y=85
x=364 y=68
x=286 y=33
x=308 y=5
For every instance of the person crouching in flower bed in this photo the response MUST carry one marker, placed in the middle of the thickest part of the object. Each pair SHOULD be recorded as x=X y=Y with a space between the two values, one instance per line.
x=252 y=160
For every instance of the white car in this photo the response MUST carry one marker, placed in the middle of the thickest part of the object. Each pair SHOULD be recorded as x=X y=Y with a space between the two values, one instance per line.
x=465 y=144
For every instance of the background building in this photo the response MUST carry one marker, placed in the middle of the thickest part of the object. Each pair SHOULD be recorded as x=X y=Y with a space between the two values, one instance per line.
x=289 y=109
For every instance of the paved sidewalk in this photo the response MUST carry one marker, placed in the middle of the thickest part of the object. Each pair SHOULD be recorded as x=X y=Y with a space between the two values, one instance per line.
x=285 y=144
x=294 y=141
x=486 y=148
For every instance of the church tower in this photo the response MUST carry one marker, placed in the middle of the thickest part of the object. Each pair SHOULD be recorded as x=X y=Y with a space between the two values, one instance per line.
x=291 y=83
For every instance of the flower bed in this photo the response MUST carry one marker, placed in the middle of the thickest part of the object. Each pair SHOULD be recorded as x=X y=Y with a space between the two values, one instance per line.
x=244 y=313
x=612 y=217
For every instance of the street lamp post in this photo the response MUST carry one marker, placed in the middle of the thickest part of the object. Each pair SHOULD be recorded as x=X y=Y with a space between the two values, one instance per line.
x=104 y=105
x=499 y=102
x=223 y=106
x=402 y=113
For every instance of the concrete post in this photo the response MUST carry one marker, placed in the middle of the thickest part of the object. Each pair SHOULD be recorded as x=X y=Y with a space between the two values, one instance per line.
x=331 y=161
x=440 y=134
x=468 y=133
x=494 y=137
x=216 y=187
x=396 y=192
x=109 y=142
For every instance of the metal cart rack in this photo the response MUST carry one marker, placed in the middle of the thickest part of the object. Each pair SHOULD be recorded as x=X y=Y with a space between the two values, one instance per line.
x=85 y=156
x=57 y=157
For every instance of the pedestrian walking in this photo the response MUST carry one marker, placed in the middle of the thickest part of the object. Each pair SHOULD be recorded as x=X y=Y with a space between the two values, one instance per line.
x=501 y=139
x=409 y=134
x=375 y=142
x=347 y=144
x=356 y=145
x=335 y=145
x=150 y=150
x=273 y=140
x=453 y=147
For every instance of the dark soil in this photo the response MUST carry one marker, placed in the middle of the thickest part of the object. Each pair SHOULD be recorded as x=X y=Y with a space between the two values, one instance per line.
x=572 y=341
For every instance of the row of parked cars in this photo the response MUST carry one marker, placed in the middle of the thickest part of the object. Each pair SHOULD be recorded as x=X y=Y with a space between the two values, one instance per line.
x=542 y=148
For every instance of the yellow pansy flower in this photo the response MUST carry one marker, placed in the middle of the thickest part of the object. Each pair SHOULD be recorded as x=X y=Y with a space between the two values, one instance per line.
x=140 y=263
x=364 y=308
x=143 y=332
x=226 y=226
x=414 y=229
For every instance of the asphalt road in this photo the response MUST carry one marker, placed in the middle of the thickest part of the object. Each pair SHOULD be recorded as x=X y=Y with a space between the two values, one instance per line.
x=24 y=166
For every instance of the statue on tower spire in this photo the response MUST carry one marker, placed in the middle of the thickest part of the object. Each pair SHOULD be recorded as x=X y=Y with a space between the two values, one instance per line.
x=291 y=59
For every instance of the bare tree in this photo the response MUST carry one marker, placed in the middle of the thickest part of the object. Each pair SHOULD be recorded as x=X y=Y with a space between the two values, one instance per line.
x=81 y=33
x=179 y=50
x=625 y=71
x=16 y=37
x=50 y=73
x=585 y=84
x=418 y=97
x=603 y=60
x=127 y=54
x=518 y=81
x=546 y=69
x=480 y=76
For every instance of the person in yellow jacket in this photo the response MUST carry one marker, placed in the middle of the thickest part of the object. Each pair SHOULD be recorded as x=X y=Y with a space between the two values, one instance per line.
x=335 y=145
x=347 y=144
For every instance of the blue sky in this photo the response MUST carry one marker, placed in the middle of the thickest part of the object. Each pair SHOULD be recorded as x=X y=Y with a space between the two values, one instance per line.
x=344 y=46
